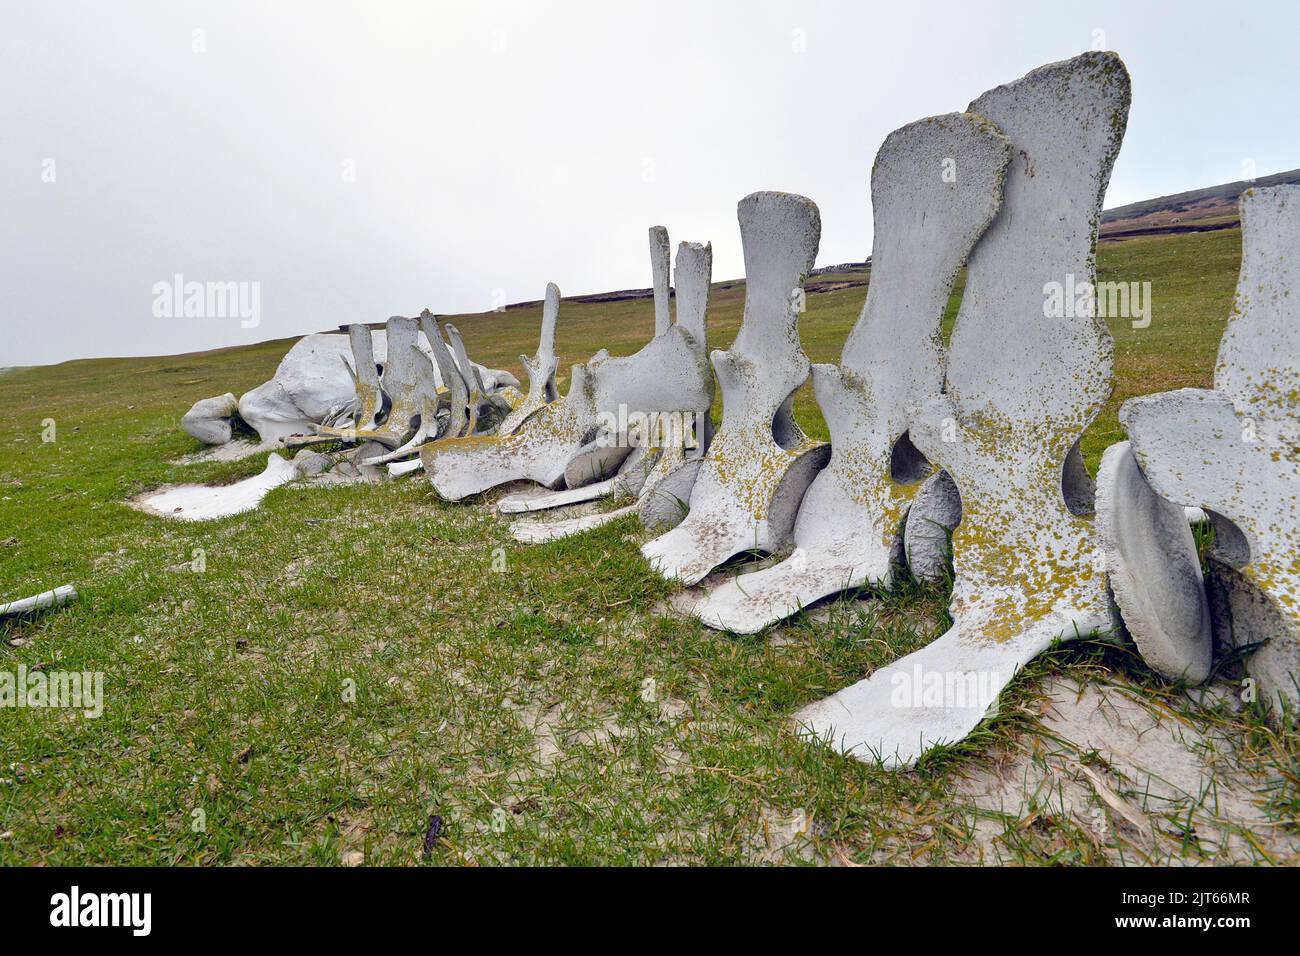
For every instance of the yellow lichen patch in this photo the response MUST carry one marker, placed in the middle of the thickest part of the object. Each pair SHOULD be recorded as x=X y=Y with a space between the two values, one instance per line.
x=750 y=466
x=1019 y=555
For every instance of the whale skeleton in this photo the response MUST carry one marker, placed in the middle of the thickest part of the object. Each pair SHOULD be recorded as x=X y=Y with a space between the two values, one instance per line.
x=980 y=444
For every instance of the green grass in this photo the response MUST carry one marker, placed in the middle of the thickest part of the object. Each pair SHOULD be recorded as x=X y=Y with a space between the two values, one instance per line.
x=351 y=661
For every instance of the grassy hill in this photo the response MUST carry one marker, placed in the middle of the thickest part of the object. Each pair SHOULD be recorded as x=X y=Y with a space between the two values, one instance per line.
x=1198 y=210
x=350 y=663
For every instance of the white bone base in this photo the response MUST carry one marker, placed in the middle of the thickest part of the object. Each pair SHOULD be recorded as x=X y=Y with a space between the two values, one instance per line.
x=539 y=532
x=720 y=526
x=936 y=695
x=1154 y=570
x=521 y=503
x=206 y=502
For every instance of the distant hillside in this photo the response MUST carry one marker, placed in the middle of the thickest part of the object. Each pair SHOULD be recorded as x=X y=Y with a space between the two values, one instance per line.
x=1200 y=210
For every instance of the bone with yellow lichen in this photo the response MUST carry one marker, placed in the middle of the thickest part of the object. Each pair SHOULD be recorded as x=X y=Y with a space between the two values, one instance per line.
x=403 y=406
x=1235 y=451
x=1021 y=388
x=401 y=383
x=540 y=368
x=651 y=476
x=936 y=184
x=664 y=447
x=760 y=463
x=431 y=397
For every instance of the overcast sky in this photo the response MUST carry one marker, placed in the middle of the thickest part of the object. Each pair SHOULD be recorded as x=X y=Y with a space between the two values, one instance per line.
x=359 y=160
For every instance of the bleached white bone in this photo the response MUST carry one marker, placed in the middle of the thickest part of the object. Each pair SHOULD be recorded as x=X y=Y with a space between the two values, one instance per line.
x=538 y=451
x=468 y=369
x=314 y=384
x=666 y=495
x=313 y=378
x=654 y=474
x=365 y=375
x=402 y=385
x=1234 y=450
x=457 y=386
x=660 y=256
x=540 y=532
x=398 y=468
x=541 y=368
x=849 y=522
x=359 y=411
x=931 y=518
x=365 y=378
x=209 y=419
x=760 y=463
x=627 y=482
x=1021 y=389
x=206 y=502
x=1153 y=570
x=595 y=461
x=520 y=504
x=426 y=400
x=37 y=602
x=629 y=479
x=641 y=472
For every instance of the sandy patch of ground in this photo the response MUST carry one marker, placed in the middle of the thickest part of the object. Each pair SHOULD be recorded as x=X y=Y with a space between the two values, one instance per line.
x=1144 y=782
x=782 y=837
